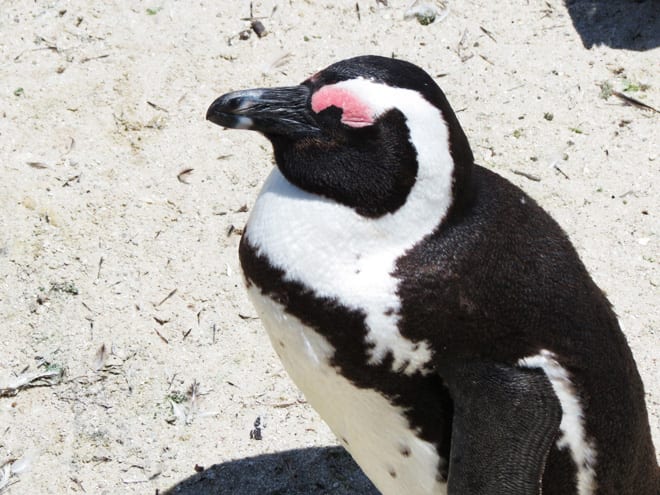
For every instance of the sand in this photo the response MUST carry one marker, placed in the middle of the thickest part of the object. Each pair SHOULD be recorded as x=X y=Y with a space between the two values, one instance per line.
x=130 y=358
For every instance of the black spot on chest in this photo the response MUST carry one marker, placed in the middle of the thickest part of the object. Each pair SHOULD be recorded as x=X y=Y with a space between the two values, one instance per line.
x=424 y=398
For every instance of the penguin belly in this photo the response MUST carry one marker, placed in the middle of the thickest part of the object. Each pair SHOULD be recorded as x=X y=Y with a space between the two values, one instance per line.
x=374 y=431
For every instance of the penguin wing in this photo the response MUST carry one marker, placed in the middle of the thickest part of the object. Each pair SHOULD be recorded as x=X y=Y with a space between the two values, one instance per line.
x=505 y=422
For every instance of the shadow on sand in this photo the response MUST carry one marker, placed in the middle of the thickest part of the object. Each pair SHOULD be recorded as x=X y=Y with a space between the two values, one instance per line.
x=627 y=24
x=312 y=471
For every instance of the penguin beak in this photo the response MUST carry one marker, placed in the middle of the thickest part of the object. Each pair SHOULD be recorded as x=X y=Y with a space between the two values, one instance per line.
x=272 y=111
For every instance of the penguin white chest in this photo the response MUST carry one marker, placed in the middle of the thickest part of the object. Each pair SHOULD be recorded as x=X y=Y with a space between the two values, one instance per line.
x=371 y=428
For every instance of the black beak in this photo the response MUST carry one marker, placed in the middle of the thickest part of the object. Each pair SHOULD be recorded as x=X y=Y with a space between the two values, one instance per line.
x=272 y=111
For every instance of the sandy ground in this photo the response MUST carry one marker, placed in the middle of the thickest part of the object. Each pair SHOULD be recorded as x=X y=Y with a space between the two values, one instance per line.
x=122 y=310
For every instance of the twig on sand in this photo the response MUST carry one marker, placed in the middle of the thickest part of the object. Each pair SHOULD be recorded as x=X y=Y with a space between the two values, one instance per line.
x=48 y=378
x=166 y=297
x=157 y=107
x=97 y=57
x=488 y=33
x=183 y=175
x=556 y=167
x=161 y=336
x=634 y=102
x=527 y=176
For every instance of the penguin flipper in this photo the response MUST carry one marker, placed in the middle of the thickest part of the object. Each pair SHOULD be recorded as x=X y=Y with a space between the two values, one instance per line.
x=504 y=424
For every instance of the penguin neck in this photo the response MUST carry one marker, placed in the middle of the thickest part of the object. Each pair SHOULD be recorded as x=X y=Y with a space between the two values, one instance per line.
x=290 y=225
x=339 y=255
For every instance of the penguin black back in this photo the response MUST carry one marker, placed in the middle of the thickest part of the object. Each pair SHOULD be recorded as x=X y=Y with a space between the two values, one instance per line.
x=529 y=286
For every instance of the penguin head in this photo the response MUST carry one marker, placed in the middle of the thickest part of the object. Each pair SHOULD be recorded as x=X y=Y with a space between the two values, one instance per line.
x=363 y=132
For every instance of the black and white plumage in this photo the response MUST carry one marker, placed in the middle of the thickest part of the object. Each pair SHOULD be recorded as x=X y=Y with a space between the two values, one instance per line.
x=432 y=313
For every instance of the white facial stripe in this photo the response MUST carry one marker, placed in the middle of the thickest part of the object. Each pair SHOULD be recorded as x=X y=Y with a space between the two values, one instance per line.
x=573 y=436
x=372 y=429
x=339 y=254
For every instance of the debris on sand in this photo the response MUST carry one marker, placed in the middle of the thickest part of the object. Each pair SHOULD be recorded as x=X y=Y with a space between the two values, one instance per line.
x=427 y=12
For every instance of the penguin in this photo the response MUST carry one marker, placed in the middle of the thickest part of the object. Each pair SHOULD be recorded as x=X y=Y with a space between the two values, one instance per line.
x=437 y=319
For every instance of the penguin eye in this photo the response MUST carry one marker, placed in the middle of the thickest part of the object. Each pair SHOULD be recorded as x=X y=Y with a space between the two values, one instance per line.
x=354 y=111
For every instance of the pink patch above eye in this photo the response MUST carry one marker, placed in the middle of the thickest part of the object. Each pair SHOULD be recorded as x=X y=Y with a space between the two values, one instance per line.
x=355 y=113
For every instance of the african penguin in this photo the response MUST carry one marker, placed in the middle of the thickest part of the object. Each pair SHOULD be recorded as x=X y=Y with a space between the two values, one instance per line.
x=433 y=314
